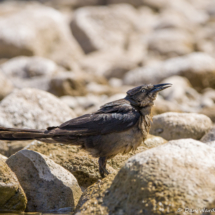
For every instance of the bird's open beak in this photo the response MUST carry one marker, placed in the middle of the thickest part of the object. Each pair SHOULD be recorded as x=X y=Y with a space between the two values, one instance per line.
x=160 y=87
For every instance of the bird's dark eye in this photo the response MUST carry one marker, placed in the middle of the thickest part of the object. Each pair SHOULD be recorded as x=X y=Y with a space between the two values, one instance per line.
x=143 y=91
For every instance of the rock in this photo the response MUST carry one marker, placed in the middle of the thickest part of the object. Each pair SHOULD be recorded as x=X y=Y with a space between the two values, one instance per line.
x=104 y=28
x=182 y=94
x=166 y=43
x=8 y=148
x=40 y=176
x=66 y=83
x=154 y=4
x=38 y=30
x=6 y=86
x=107 y=64
x=77 y=161
x=32 y=108
x=209 y=111
x=172 y=126
x=94 y=195
x=209 y=136
x=12 y=198
x=198 y=68
x=32 y=72
x=160 y=181
x=163 y=106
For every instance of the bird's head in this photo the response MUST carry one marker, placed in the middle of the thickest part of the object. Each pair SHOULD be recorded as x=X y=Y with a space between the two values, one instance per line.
x=144 y=95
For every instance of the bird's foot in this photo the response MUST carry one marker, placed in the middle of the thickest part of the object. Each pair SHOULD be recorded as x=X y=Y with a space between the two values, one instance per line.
x=102 y=167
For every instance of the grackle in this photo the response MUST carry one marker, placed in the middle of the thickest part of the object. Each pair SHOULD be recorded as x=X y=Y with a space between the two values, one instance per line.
x=117 y=127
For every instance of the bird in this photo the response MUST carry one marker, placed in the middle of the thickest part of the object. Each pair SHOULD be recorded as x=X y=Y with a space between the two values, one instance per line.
x=117 y=127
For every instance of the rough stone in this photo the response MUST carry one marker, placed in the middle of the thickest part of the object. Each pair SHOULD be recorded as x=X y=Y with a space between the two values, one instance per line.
x=38 y=30
x=34 y=72
x=12 y=198
x=2 y=157
x=32 y=108
x=47 y=185
x=160 y=181
x=172 y=126
x=77 y=161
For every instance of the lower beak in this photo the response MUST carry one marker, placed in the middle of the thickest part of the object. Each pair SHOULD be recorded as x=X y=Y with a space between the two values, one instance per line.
x=160 y=87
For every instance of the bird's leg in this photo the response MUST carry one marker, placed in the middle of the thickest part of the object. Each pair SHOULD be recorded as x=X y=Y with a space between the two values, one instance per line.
x=102 y=166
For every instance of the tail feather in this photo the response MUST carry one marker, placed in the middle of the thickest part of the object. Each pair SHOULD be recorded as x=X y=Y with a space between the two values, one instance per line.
x=22 y=134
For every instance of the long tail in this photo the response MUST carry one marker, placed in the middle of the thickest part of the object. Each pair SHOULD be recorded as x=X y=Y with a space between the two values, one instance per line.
x=23 y=134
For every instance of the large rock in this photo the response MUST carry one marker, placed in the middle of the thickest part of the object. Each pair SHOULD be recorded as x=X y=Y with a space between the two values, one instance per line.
x=173 y=126
x=198 y=68
x=38 y=30
x=161 y=180
x=32 y=108
x=104 y=28
x=32 y=72
x=12 y=196
x=166 y=43
x=47 y=185
x=77 y=161
x=6 y=86
x=209 y=111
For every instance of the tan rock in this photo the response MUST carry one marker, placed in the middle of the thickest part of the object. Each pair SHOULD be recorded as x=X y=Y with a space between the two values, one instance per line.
x=32 y=108
x=77 y=161
x=209 y=111
x=12 y=196
x=180 y=125
x=39 y=30
x=104 y=28
x=166 y=43
x=42 y=177
x=160 y=181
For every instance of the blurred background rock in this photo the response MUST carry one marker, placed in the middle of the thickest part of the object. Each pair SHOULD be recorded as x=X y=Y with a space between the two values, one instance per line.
x=86 y=51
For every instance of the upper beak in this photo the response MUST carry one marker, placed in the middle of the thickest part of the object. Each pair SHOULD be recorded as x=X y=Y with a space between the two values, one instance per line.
x=160 y=87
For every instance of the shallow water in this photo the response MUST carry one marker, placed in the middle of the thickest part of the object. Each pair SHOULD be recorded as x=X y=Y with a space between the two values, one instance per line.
x=37 y=213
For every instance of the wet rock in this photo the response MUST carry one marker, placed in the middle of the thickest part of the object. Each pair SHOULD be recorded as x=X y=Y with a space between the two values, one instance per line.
x=6 y=86
x=32 y=108
x=172 y=126
x=77 y=161
x=40 y=176
x=67 y=83
x=12 y=198
x=198 y=68
x=38 y=30
x=209 y=136
x=170 y=43
x=103 y=28
x=164 y=178
x=32 y=72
